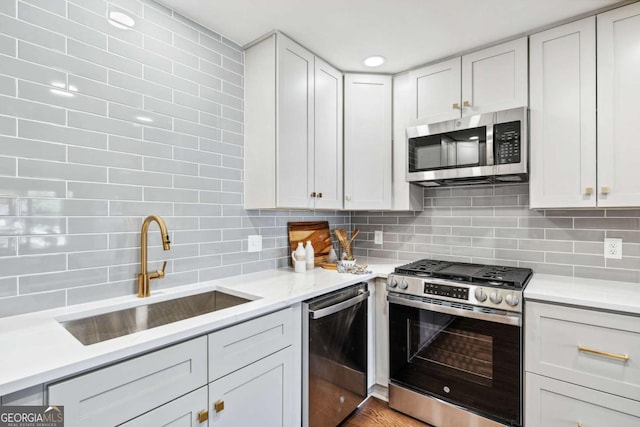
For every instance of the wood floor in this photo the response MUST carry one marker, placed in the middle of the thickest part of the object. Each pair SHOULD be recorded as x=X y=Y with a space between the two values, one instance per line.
x=375 y=413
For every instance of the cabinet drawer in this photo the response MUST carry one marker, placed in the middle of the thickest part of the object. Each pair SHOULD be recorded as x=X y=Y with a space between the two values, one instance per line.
x=232 y=348
x=120 y=392
x=552 y=403
x=554 y=335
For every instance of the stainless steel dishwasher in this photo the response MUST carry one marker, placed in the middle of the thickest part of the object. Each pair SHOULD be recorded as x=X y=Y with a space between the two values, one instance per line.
x=334 y=355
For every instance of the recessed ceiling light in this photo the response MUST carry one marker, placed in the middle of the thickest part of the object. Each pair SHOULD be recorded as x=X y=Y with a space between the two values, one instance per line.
x=374 y=61
x=121 y=20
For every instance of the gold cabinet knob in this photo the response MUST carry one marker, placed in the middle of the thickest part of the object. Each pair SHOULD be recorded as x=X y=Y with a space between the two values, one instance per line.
x=319 y=195
x=456 y=106
x=313 y=194
x=466 y=104
x=579 y=424
x=604 y=190
x=588 y=191
x=219 y=406
x=203 y=416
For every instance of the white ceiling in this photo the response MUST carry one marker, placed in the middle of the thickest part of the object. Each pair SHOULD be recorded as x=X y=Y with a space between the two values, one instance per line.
x=407 y=32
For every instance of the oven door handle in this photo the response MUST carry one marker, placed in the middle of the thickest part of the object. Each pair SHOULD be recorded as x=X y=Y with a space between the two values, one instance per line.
x=332 y=309
x=504 y=318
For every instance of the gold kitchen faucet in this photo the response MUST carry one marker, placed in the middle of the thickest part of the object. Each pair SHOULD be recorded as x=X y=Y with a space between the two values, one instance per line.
x=144 y=278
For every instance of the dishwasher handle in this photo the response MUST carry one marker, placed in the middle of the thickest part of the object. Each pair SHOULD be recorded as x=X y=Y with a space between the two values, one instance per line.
x=327 y=311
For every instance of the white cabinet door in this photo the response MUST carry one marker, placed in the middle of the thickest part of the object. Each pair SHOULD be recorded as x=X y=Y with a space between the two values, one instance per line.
x=563 y=116
x=552 y=403
x=294 y=160
x=495 y=78
x=257 y=395
x=328 y=136
x=367 y=159
x=618 y=111
x=406 y=197
x=435 y=91
x=182 y=412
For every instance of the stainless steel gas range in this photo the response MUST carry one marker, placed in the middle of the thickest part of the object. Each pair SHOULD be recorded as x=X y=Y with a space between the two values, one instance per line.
x=455 y=338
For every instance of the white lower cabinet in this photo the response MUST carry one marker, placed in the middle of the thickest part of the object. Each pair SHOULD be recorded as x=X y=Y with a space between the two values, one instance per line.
x=248 y=366
x=182 y=412
x=581 y=367
x=553 y=403
x=257 y=395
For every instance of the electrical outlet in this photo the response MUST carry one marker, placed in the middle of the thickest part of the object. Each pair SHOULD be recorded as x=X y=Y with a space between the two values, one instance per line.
x=613 y=248
x=377 y=239
x=254 y=243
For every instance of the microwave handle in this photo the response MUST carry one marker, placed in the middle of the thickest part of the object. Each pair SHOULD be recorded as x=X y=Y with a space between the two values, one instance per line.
x=505 y=318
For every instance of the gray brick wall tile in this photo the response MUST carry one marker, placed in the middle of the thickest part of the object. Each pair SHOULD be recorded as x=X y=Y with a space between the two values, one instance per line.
x=33 y=302
x=31 y=187
x=7 y=86
x=31 y=33
x=60 y=61
x=139 y=117
x=8 y=247
x=106 y=92
x=61 y=134
x=60 y=25
x=8 y=126
x=134 y=84
x=58 y=170
x=7 y=45
x=61 y=98
x=63 y=207
x=8 y=287
x=31 y=110
x=84 y=190
x=20 y=147
x=140 y=55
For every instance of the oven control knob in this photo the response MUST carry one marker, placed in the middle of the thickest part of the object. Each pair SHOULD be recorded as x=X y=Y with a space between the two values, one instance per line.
x=403 y=284
x=512 y=300
x=495 y=298
x=481 y=295
x=393 y=282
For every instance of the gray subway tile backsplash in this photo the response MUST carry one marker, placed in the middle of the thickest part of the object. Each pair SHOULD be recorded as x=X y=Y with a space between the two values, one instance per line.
x=82 y=165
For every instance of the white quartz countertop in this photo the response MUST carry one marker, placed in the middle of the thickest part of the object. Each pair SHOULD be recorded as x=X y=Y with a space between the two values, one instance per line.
x=35 y=348
x=591 y=293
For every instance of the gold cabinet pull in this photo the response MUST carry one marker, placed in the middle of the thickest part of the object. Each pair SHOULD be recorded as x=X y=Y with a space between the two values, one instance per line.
x=313 y=194
x=219 y=406
x=456 y=106
x=604 y=190
x=319 y=195
x=203 y=416
x=623 y=357
x=466 y=104
x=588 y=191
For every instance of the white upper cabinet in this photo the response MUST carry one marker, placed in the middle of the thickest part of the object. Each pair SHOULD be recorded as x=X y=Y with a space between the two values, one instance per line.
x=495 y=78
x=406 y=197
x=294 y=132
x=328 y=136
x=367 y=133
x=435 y=91
x=618 y=111
x=488 y=80
x=563 y=116
x=293 y=128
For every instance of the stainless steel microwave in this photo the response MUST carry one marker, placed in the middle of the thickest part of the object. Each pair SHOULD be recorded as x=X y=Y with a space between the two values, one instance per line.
x=479 y=149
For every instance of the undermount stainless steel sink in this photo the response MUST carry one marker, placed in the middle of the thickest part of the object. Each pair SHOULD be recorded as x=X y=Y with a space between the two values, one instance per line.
x=102 y=327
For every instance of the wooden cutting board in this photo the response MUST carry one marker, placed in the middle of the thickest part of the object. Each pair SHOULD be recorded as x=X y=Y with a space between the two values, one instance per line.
x=319 y=234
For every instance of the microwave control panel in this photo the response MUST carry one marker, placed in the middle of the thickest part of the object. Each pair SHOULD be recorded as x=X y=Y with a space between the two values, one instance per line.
x=506 y=143
x=446 y=291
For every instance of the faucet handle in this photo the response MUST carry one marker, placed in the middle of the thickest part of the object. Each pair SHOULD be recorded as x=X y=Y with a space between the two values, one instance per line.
x=161 y=272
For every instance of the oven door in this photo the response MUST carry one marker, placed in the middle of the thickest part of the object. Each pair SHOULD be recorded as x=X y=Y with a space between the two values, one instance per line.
x=458 y=354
